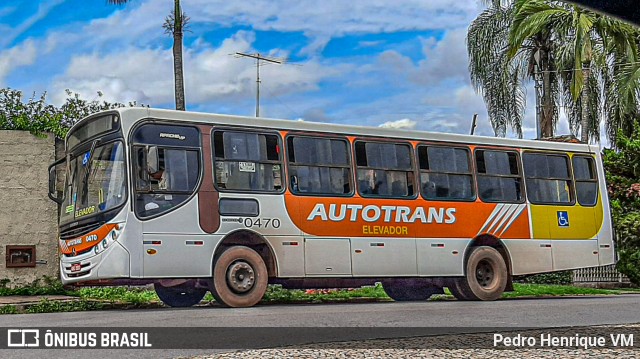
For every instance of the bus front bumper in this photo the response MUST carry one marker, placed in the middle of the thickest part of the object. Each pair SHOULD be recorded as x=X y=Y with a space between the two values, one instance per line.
x=112 y=263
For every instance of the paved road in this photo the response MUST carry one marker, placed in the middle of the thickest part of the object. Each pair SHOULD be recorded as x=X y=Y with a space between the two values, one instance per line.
x=548 y=312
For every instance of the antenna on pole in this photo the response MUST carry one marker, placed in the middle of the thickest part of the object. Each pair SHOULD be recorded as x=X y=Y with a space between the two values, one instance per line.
x=259 y=58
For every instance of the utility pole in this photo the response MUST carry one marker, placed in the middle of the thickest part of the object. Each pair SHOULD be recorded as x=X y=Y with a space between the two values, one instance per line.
x=259 y=58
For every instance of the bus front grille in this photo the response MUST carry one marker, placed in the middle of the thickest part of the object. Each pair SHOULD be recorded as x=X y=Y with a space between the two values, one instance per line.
x=79 y=231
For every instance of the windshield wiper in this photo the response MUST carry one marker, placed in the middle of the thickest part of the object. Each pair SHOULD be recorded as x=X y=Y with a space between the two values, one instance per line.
x=87 y=169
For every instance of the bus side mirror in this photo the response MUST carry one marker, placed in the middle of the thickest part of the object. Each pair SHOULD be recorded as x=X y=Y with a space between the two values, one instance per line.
x=55 y=194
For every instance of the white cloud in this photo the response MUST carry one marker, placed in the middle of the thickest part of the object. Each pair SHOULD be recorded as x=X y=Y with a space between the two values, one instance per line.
x=211 y=75
x=21 y=55
x=126 y=56
x=335 y=17
x=405 y=124
x=446 y=58
x=139 y=22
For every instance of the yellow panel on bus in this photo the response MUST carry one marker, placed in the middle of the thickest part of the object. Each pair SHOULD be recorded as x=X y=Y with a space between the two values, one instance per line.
x=566 y=222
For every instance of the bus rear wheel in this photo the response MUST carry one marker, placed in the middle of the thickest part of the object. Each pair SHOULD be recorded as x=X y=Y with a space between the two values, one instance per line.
x=240 y=278
x=403 y=290
x=486 y=276
x=182 y=295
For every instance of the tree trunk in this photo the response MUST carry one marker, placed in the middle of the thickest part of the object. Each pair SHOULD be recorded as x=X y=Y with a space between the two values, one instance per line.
x=546 y=118
x=584 y=103
x=177 y=58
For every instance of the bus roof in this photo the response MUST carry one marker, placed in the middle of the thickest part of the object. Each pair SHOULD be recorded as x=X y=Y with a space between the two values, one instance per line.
x=130 y=115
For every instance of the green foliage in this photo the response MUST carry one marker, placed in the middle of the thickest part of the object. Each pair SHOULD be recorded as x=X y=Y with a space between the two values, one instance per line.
x=130 y=295
x=8 y=309
x=542 y=290
x=275 y=293
x=44 y=286
x=622 y=169
x=51 y=306
x=580 y=61
x=629 y=264
x=38 y=117
x=565 y=277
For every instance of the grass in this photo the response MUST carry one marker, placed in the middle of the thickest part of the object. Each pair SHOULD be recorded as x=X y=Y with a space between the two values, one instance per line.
x=130 y=295
x=544 y=290
x=96 y=298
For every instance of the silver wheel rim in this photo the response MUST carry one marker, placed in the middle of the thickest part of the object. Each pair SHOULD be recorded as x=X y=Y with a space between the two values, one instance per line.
x=485 y=274
x=240 y=277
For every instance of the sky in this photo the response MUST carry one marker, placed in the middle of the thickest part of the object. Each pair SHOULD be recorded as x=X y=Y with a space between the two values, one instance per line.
x=400 y=63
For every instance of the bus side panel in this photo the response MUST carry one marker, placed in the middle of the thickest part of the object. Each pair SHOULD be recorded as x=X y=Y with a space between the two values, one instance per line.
x=274 y=224
x=573 y=254
x=289 y=255
x=175 y=245
x=441 y=256
x=529 y=255
x=606 y=246
x=384 y=257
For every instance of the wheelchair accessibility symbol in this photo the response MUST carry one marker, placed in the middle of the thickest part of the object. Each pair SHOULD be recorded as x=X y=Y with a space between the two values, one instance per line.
x=563 y=219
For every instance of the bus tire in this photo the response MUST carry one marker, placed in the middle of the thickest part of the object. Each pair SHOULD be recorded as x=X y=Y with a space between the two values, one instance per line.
x=240 y=278
x=182 y=295
x=406 y=290
x=486 y=276
x=455 y=290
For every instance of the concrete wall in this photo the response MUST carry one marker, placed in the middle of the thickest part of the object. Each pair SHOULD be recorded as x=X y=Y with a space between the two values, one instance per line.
x=27 y=215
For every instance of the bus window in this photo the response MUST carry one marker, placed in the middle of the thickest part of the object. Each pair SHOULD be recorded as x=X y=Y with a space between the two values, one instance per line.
x=384 y=169
x=499 y=177
x=247 y=161
x=584 y=171
x=165 y=178
x=445 y=173
x=548 y=178
x=319 y=166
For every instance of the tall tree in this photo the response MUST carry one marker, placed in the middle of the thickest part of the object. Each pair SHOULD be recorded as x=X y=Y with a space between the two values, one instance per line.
x=577 y=59
x=175 y=25
x=502 y=78
x=588 y=45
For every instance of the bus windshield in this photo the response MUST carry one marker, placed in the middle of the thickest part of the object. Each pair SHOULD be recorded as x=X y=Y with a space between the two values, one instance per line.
x=95 y=182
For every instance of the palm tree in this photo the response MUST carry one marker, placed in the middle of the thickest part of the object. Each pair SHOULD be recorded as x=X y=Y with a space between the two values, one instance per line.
x=175 y=24
x=579 y=60
x=491 y=73
x=501 y=78
x=586 y=44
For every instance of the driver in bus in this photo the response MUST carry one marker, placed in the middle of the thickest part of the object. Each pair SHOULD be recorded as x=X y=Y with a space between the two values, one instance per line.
x=159 y=180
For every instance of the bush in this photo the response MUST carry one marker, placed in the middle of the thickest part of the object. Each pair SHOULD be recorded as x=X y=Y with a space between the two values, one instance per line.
x=622 y=168
x=565 y=277
x=38 y=117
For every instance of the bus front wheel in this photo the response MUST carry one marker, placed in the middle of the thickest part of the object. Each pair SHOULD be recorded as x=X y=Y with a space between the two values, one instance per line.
x=486 y=276
x=240 y=277
x=182 y=295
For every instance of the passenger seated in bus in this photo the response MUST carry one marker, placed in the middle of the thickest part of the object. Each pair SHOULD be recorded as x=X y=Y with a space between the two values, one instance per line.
x=158 y=180
x=365 y=188
x=398 y=189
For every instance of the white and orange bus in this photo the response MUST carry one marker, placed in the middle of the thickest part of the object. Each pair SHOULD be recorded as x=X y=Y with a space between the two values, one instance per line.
x=197 y=202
